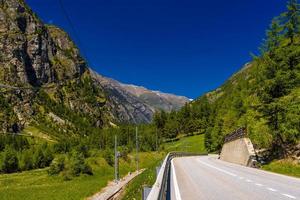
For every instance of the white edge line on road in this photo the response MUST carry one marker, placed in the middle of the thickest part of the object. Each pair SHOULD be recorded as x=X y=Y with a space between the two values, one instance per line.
x=221 y=170
x=289 y=196
x=234 y=175
x=176 y=188
x=271 y=189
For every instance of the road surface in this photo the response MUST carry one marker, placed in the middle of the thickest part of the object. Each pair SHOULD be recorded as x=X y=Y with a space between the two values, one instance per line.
x=197 y=178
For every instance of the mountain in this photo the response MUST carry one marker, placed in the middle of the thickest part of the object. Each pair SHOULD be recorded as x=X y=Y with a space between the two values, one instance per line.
x=136 y=104
x=44 y=79
x=263 y=97
x=45 y=83
x=156 y=99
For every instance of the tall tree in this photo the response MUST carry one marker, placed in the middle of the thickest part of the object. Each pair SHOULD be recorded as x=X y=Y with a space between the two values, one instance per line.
x=292 y=20
x=273 y=36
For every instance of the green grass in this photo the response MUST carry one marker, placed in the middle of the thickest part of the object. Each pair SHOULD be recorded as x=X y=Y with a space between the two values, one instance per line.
x=147 y=178
x=38 y=185
x=286 y=167
x=193 y=144
x=36 y=133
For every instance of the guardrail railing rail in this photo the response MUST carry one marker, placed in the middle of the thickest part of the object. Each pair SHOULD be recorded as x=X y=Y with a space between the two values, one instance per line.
x=159 y=189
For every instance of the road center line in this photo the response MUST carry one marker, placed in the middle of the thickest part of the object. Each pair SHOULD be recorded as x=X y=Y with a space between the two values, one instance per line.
x=258 y=184
x=289 y=196
x=221 y=170
x=176 y=188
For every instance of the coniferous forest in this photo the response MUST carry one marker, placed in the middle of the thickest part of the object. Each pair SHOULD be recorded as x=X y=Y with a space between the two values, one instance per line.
x=264 y=96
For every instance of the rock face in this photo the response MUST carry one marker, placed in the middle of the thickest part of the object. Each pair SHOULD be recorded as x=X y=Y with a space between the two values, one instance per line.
x=44 y=81
x=156 y=99
x=43 y=60
x=135 y=104
x=29 y=49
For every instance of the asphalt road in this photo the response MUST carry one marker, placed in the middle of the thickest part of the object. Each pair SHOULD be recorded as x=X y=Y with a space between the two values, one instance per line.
x=197 y=178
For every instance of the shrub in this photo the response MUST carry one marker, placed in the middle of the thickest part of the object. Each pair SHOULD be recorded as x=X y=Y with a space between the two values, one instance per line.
x=26 y=162
x=78 y=164
x=108 y=156
x=57 y=165
x=39 y=159
x=42 y=157
x=10 y=162
x=87 y=169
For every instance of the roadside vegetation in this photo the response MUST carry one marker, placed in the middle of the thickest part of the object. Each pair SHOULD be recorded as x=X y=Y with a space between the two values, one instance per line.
x=37 y=184
x=287 y=167
x=193 y=144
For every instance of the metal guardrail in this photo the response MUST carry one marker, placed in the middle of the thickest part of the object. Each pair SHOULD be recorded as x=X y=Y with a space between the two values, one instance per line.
x=237 y=134
x=159 y=189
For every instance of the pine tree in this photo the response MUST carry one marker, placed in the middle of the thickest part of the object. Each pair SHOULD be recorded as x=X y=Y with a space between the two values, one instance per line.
x=10 y=162
x=292 y=20
x=273 y=36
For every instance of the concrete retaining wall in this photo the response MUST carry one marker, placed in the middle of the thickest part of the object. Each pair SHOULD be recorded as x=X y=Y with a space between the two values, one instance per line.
x=238 y=151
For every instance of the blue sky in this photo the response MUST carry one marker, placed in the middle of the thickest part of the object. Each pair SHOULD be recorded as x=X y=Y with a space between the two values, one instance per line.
x=185 y=47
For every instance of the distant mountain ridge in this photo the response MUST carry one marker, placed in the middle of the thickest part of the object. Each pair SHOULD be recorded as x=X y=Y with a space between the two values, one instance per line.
x=137 y=104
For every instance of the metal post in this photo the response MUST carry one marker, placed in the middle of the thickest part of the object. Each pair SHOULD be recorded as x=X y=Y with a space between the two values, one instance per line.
x=137 y=148
x=116 y=160
x=156 y=139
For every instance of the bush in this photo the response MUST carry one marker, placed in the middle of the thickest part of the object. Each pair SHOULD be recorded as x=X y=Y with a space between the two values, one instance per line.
x=26 y=162
x=42 y=157
x=84 y=149
x=87 y=169
x=10 y=162
x=57 y=165
x=108 y=156
x=78 y=164
x=39 y=159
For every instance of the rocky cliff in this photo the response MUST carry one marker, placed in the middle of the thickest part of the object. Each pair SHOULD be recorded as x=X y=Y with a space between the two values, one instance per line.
x=45 y=71
x=45 y=82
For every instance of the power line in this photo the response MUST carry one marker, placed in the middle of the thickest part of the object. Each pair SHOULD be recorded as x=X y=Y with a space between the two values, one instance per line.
x=73 y=29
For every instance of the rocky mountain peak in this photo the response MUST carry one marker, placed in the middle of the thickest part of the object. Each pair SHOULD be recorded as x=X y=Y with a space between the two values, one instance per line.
x=32 y=53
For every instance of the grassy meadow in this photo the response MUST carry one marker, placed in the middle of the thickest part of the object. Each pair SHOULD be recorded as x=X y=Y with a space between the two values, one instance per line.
x=37 y=184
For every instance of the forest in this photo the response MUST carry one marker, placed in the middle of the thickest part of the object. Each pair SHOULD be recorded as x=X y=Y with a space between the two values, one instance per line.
x=264 y=96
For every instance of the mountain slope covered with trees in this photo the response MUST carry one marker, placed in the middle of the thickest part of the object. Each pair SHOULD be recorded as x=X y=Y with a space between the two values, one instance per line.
x=264 y=96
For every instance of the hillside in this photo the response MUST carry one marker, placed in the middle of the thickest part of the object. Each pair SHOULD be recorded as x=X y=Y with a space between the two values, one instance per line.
x=264 y=97
x=46 y=83
x=136 y=104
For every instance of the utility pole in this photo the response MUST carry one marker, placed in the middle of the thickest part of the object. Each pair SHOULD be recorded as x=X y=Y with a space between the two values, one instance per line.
x=116 y=160
x=156 y=139
x=137 y=148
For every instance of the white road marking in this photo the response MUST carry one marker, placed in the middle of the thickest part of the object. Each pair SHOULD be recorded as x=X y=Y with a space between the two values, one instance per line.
x=249 y=181
x=271 y=189
x=241 y=178
x=221 y=170
x=289 y=196
x=176 y=188
x=258 y=184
